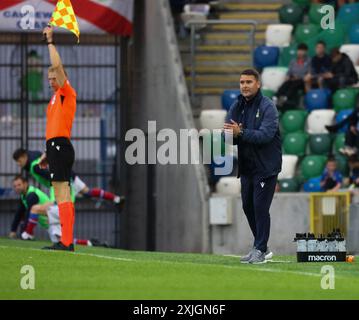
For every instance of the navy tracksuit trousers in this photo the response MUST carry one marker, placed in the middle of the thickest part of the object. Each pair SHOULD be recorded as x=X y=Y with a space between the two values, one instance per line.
x=257 y=196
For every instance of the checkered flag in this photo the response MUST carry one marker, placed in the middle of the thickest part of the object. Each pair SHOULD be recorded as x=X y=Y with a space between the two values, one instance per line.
x=64 y=17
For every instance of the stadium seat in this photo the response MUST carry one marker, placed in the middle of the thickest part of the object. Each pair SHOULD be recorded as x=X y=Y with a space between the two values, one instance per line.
x=287 y=55
x=312 y=43
x=348 y=14
x=229 y=186
x=268 y=93
x=354 y=34
x=312 y=185
x=226 y=165
x=279 y=35
x=289 y=165
x=342 y=164
x=305 y=32
x=273 y=77
x=291 y=13
x=320 y=144
x=344 y=99
x=294 y=120
x=212 y=119
x=196 y=12
x=352 y=51
x=339 y=142
x=316 y=99
x=288 y=185
x=333 y=38
x=213 y=143
x=228 y=98
x=302 y=3
x=318 y=119
x=315 y=16
x=313 y=166
x=265 y=56
x=295 y=143
x=341 y=116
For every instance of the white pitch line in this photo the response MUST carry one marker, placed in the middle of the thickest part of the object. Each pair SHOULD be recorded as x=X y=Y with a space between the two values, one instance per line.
x=75 y=253
x=103 y=257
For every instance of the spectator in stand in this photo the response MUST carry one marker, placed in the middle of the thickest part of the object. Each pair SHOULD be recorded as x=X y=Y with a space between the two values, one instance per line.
x=353 y=163
x=351 y=146
x=321 y=64
x=342 y=72
x=331 y=179
x=298 y=68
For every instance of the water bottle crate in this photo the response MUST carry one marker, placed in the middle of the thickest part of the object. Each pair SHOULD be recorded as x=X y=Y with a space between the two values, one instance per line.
x=317 y=256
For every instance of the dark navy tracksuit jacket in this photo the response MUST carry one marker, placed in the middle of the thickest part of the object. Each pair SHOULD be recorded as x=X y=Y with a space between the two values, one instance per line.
x=259 y=160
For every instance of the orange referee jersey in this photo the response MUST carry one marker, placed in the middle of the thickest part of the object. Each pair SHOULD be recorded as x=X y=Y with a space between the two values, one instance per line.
x=61 y=112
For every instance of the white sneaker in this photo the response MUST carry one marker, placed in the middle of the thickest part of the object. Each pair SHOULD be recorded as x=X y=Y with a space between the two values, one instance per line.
x=117 y=199
x=269 y=255
x=26 y=236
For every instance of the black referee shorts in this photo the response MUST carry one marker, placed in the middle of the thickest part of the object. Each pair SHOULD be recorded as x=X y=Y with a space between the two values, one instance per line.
x=60 y=156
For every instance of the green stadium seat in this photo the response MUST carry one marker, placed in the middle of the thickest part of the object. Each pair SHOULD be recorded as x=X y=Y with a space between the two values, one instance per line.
x=333 y=38
x=339 y=142
x=294 y=120
x=344 y=99
x=268 y=93
x=288 y=185
x=342 y=164
x=312 y=166
x=306 y=32
x=320 y=144
x=302 y=3
x=315 y=16
x=291 y=13
x=295 y=143
x=287 y=55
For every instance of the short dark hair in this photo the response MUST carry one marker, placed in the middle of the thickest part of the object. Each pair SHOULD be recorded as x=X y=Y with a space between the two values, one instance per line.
x=20 y=177
x=331 y=158
x=302 y=46
x=353 y=158
x=335 y=52
x=19 y=153
x=322 y=43
x=251 y=72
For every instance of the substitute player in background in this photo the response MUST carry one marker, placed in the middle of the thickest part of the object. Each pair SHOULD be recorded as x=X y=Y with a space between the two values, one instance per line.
x=29 y=161
x=60 y=154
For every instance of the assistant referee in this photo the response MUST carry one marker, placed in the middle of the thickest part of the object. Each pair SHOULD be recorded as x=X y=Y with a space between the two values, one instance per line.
x=253 y=121
x=60 y=154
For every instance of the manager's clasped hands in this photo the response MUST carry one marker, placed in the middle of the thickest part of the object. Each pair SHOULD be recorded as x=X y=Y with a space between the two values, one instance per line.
x=233 y=128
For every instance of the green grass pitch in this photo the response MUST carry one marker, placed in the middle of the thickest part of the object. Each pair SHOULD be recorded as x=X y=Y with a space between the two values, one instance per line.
x=100 y=273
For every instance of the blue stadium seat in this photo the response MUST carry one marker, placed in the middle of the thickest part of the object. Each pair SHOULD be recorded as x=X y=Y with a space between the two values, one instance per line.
x=348 y=14
x=312 y=185
x=228 y=98
x=266 y=56
x=221 y=162
x=341 y=116
x=316 y=99
x=354 y=34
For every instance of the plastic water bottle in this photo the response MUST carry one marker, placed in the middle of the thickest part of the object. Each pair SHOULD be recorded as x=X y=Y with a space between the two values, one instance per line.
x=301 y=242
x=342 y=245
x=312 y=243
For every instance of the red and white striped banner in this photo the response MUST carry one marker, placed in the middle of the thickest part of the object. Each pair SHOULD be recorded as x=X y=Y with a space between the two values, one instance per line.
x=94 y=16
